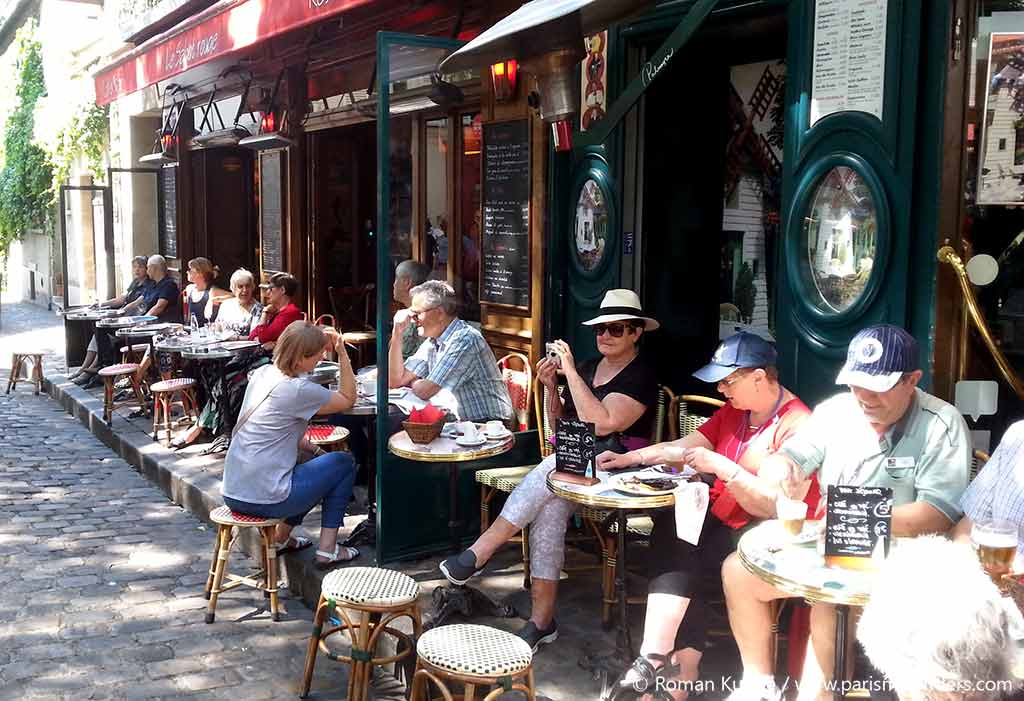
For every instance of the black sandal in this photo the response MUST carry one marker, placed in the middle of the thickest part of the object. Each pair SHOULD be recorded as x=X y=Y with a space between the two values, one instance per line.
x=645 y=681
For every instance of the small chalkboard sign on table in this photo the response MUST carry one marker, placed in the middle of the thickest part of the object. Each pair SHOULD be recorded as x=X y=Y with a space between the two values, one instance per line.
x=574 y=452
x=858 y=525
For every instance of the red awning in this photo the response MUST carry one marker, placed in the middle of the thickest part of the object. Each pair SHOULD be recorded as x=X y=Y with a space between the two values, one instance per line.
x=219 y=30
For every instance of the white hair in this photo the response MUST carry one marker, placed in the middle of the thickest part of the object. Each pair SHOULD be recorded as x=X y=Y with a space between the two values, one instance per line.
x=935 y=623
x=159 y=261
x=239 y=276
x=437 y=293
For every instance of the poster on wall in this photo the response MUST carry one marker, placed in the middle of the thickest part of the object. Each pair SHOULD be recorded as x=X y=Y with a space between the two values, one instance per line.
x=1001 y=159
x=849 y=57
x=593 y=78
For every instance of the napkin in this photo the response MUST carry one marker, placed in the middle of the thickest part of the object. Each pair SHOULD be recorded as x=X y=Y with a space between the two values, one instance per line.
x=427 y=415
x=692 y=499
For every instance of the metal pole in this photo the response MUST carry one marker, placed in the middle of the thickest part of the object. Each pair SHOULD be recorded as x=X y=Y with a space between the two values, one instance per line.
x=383 y=269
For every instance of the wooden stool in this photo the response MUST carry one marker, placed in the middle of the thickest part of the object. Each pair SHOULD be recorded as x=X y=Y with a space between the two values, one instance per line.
x=134 y=353
x=265 y=580
x=164 y=393
x=17 y=361
x=380 y=597
x=328 y=437
x=110 y=375
x=474 y=656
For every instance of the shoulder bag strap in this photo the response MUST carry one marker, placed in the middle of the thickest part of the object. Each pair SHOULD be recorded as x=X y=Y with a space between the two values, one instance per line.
x=255 y=406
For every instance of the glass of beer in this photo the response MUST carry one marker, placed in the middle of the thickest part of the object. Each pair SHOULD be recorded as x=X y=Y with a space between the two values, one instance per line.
x=791 y=513
x=996 y=542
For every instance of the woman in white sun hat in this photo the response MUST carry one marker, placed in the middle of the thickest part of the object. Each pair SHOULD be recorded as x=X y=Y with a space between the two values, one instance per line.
x=616 y=392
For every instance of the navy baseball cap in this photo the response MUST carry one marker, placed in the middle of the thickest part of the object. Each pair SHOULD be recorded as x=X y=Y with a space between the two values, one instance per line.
x=741 y=350
x=878 y=357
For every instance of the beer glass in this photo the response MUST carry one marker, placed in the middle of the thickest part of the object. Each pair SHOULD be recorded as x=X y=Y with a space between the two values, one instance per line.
x=996 y=542
x=791 y=513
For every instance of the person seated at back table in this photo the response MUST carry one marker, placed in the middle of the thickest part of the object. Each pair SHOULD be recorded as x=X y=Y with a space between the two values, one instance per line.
x=618 y=393
x=279 y=311
x=758 y=417
x=454 y=357
x=884 y=432
x=240 y=313
x=262 y=473
x=997 y=493
x=201 y=295
x=409 y=274
x=140 y=281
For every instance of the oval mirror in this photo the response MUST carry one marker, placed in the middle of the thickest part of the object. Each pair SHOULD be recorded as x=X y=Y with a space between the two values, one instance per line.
x=982 y=269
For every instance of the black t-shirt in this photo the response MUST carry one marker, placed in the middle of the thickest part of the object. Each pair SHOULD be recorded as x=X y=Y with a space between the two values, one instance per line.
x=636 y=381
x=167 y=289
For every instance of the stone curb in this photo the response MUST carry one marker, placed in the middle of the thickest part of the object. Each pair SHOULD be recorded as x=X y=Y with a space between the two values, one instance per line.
x=188 y=485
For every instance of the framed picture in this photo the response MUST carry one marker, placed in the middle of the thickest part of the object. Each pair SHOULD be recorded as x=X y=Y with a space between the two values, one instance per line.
x=1001 y=159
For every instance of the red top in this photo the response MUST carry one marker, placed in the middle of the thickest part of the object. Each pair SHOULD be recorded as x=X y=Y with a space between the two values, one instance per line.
x=265 y=333
x=728 y=431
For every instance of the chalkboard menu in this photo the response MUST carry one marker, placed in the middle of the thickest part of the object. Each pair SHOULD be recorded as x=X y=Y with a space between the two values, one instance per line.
x=271 y=206
x=856 y=520
x=168 y=234
x=505 y=259
x=574 y=451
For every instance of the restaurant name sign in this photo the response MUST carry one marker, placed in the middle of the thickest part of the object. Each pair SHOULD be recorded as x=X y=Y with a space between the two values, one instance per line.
x=206 y=37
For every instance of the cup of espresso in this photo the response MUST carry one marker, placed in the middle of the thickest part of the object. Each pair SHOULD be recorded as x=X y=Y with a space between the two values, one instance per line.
x=469 y=432
x=996 y=543
x=495 y=428
x=791 y=513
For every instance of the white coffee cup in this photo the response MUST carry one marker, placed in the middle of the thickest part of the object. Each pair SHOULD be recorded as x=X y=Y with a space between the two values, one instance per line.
x=469 y=433
x=368 y=385
x=495 y=428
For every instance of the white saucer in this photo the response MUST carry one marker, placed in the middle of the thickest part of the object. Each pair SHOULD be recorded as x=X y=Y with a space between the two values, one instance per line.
x=396 y=393
x=461 y=440
x=497 y=436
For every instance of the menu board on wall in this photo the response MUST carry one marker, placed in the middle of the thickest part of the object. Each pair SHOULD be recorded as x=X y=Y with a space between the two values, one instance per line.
x=505 y=259
x=271 y=205
x=168 y=234
x=849 y=57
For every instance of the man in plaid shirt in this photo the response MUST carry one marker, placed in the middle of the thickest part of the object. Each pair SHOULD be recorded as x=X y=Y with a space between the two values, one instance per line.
x=454 y=357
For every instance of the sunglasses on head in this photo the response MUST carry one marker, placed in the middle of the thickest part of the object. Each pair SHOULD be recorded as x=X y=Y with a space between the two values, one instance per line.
x=614 y=330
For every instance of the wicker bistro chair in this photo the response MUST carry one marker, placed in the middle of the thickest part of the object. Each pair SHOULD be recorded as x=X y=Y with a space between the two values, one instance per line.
x=110 y=375
x=978 y=460
x=166 y=394
x=265 y=580
x=18 y=361
x=367 y=600
x=473 y=656
x=519 y=382
x=684 y=420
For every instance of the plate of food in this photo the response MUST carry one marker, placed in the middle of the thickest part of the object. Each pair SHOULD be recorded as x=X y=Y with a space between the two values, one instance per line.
x=645 y=485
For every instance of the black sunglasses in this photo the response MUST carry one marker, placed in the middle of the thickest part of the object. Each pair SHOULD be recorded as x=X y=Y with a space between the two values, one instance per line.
x=614 y=330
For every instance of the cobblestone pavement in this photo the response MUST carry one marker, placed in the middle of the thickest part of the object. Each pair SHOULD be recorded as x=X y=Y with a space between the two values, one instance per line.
x=102 y=580
x=29 y=327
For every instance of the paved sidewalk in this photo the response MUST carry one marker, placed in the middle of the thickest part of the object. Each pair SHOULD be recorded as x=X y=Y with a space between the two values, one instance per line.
x=102 y=581
x=25 y=326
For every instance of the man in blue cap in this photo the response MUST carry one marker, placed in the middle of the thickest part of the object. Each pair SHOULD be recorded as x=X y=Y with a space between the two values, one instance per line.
x=884 y=432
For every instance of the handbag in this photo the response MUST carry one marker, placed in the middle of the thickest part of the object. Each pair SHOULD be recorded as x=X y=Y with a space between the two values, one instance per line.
x=612 y=442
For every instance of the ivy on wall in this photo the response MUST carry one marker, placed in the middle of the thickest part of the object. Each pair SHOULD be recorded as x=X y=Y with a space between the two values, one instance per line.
x=26 y=177
x=85 y=136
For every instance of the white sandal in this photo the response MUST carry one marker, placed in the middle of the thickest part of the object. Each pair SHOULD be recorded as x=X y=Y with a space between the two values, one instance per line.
x=333 y=559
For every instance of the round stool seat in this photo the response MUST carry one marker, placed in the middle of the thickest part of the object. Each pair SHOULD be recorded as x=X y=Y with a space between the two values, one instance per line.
x=326 y=435
x=373 y=586
x=178 y=383
x=473 y=649
x=119 y=369
x=226 y=517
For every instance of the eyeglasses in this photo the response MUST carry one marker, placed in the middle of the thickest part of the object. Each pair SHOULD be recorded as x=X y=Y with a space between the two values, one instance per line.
x=729 y=382
x=615 y=330
x=419 y=314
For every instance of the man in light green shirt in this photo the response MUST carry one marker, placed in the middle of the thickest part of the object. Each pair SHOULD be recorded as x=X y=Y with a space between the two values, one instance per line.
x=884 y=432
x=409 y=274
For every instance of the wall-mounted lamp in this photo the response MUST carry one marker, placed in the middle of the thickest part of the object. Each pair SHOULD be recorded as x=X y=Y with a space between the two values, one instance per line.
x=503 y=77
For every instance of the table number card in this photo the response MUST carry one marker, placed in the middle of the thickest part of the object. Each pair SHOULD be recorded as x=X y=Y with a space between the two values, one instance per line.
x=858 y=525
x=574 y=452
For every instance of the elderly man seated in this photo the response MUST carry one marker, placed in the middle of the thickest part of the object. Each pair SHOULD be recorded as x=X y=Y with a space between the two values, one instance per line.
x=409 y=274
x=455 y=356
x=884 y=432
x=936 y=626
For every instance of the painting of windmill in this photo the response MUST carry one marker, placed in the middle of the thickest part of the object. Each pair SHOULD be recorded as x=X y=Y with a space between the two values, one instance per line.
x=1001 y=165
x=753 y=175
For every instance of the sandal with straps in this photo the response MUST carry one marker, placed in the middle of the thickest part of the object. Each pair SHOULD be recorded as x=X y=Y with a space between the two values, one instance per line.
x=644 y=681
x=294 y=544
x=335 y=559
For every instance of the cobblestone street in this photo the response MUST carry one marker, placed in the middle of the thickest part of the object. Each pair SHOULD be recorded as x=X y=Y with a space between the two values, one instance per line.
x=102 y=581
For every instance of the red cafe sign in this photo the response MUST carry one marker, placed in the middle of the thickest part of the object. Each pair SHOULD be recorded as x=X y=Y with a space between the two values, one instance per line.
x=224 y=29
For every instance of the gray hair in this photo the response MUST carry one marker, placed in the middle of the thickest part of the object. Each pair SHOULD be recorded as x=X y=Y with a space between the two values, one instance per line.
x=414 y=271
x=935 y=624
x=437 y=293
x=240 y=276
x=158 y=261
x=139 y=260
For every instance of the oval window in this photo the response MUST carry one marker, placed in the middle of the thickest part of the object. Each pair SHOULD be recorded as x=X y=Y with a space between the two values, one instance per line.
x=591 y=226
x=840 y=234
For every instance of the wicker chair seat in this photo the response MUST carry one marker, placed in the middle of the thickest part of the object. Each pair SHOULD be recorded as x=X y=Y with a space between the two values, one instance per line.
x=371 y=586
x=639 y=525
x=173 y=385
x=475 y=650
x=326 y=435
x=224 y=516
x=119 y=370
x=504 y=479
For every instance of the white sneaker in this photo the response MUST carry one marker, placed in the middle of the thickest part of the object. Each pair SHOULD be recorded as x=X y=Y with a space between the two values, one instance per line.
x=753 y=691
